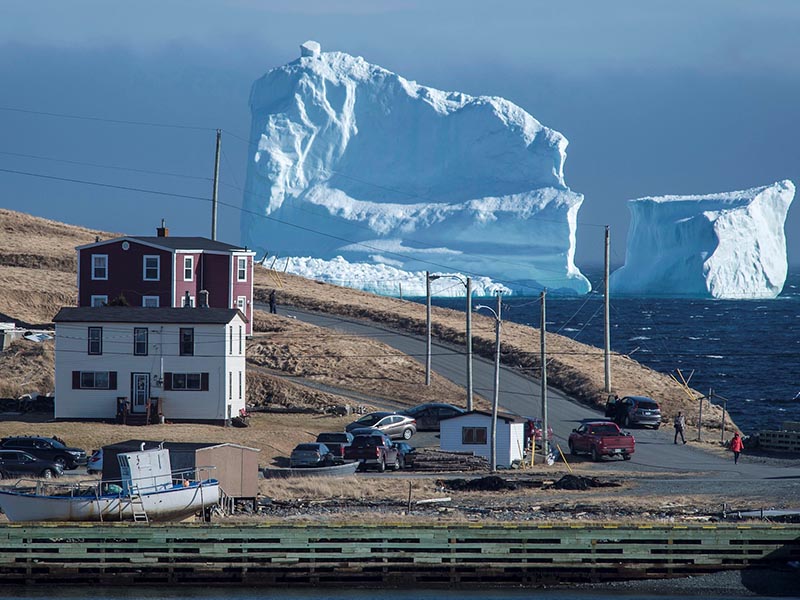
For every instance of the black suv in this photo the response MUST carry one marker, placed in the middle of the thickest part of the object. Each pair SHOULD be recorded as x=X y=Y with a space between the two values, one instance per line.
x=17 y=462
x=47 y=449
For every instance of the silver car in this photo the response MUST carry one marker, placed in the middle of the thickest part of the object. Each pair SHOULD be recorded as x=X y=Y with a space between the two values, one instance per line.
x=392 y=424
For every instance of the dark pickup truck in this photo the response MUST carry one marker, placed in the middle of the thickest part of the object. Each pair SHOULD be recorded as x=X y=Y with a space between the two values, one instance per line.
x=374 y=450
x=336 y=442
x=601 y=438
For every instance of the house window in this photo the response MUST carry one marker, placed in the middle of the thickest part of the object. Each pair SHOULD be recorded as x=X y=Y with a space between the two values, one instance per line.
x=94 y=380
x=189 y=298
x=140 y=341
x=230 y=337
x=99 y=300
x=95 y=340
x=187 y=381
x=241 y=270
x=151 y=268
x=240 y=385
x=150 y=301
x=240 y=340
x=99 y=266
x=473 y=435
x=188 y=268
x=187 y=341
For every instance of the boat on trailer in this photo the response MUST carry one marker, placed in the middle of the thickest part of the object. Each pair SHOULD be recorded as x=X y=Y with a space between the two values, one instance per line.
x=148 y=491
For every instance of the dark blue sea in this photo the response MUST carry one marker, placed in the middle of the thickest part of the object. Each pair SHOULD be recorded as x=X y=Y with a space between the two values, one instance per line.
x=746 y=351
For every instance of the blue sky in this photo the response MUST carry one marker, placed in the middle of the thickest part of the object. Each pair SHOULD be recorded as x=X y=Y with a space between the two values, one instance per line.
x=656 y=97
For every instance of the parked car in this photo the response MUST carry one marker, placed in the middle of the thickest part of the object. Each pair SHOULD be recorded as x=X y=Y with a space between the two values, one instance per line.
x=311 y=455
x=95 y=463
x=16 y=462
x=634 y=410
x=373 y=450
x=601 y=438
x=392 y=424
x=407 y=454
x=336 y=442
x=429 y=415
x=47 y=448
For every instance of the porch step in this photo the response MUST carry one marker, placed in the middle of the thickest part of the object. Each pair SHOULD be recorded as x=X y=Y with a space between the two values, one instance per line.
x=136 y=419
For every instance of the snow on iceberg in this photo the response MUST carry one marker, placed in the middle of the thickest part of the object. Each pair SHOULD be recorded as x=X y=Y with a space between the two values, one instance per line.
x=727 y=245
x=355 y=161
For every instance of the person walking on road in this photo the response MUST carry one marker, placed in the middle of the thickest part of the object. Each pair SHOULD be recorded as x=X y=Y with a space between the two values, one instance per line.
x=736 y=447
x=680 y=426
x=272 y=303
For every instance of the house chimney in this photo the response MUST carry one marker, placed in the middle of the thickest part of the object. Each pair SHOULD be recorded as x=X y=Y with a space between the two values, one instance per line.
x=162 y=231
x=203 y=299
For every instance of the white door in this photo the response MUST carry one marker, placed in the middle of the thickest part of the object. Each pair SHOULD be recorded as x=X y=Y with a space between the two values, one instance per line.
x=140 y=392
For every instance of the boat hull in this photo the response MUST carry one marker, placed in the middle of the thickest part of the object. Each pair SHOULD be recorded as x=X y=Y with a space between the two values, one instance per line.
x=173 y=504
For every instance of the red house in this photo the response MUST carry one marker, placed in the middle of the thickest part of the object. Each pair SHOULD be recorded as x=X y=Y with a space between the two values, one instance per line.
x=164 y=271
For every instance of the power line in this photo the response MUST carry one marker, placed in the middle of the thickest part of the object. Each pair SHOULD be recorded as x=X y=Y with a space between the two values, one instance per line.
x=103 y=120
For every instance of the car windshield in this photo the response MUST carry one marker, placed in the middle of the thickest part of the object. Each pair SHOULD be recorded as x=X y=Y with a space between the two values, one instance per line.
x=370 y=419
x=307 y=448
x=648 y=405
x=56 y=444
x=605 y=430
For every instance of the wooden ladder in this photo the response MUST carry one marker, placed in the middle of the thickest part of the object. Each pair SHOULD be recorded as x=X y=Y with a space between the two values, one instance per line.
x=137 y=506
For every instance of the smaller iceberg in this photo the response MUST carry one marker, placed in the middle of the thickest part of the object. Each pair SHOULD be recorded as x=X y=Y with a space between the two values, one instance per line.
x=728 y=245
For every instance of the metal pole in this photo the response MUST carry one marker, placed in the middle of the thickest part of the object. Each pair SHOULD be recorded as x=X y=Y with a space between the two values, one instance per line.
x=427 y=328
x=700 y=419
x=607 y=320
x=542 y=330
x=469 y=344
x=496 y=399
x=216 y=188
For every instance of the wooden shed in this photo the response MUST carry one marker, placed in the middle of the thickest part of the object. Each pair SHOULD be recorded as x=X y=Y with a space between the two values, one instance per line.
x=236 y=465
x=471 y=432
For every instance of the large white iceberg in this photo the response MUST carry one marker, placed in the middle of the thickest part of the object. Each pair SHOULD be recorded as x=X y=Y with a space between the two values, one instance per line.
x=352 y=160
x=728 y=245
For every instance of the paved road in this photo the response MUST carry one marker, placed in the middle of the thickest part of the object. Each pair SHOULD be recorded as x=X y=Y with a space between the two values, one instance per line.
x=519 y=394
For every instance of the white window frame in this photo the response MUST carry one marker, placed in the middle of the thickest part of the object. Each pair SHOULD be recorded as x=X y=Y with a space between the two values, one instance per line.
x=188 y=266
x=191 y=301
x=241 y=304
x=241 y=268
x=104 y=258
x=144 y=267
x=155 y=299
x=98 y=301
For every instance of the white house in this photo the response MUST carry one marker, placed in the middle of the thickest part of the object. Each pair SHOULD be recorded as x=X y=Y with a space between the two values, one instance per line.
x=472 y=431
x=193 y=359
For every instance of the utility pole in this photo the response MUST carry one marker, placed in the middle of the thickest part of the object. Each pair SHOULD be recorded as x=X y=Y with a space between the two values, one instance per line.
x=427 y=328
x=216 y=188
x=469 y=344
x=542 y=332
x=607 y=320
x=496 y=398
x=700 y=416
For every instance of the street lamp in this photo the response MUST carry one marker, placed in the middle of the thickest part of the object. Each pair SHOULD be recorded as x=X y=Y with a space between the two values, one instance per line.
x=467 y=283
x=496 y=400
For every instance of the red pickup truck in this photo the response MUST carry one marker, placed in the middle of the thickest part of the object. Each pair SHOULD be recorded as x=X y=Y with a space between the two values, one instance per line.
x=374 y=450
x=601 y=438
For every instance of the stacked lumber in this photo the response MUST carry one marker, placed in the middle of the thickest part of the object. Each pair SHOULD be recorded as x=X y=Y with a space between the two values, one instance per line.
x=430 y=459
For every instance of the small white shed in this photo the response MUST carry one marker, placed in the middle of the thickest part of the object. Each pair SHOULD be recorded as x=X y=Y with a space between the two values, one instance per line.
x=472 y=431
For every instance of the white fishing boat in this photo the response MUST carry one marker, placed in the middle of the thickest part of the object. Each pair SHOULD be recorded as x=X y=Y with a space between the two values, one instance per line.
x=148 y=491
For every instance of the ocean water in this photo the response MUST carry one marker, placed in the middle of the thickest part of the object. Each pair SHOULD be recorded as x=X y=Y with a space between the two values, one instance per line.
x=746 y=351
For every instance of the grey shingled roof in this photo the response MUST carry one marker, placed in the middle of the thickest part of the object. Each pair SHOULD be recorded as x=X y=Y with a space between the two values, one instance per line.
x=138 y=314
x=187 y=243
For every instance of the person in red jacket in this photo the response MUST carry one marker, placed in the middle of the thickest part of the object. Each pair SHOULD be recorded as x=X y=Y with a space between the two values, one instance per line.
x=736 y=447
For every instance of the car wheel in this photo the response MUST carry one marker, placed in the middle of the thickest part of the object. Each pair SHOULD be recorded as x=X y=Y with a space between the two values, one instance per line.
x=61 y=462
x=407 y=434
x=47 y=474
x=397 y=464
x=572 y=449
x=657 y=425
x=626 y=456
x=382 y=465
x=595 y=455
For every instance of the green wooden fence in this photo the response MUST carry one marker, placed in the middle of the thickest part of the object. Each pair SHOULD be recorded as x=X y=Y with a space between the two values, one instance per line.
x=424 y=555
